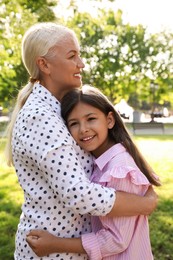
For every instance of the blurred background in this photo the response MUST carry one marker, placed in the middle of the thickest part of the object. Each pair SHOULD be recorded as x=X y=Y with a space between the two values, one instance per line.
x=127 y=47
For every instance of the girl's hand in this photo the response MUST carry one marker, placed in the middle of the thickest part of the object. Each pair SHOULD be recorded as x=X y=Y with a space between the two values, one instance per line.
x=153 y=199
x=42 y=242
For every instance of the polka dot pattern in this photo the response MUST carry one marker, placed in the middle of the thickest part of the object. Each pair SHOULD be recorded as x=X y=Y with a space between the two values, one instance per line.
x=53 y=173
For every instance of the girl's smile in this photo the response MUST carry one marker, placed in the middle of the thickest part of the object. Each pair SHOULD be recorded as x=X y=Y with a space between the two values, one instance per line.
x=87 y=139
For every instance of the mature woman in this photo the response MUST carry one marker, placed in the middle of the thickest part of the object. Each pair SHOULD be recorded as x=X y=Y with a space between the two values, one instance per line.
x=52 y=170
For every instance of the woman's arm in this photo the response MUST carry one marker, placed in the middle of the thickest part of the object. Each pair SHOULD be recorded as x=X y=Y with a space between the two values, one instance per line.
x=127 y=204
x=44 y=243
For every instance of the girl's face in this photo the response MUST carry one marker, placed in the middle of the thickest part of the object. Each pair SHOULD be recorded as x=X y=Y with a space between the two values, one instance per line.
x=89 y=127
x=64 y=69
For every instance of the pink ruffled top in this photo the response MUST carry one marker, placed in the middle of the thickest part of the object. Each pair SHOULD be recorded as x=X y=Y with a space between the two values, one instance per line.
x=121 y=238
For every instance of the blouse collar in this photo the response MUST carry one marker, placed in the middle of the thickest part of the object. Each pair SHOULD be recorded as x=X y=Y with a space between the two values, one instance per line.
x=103 y=159
x=47 y=96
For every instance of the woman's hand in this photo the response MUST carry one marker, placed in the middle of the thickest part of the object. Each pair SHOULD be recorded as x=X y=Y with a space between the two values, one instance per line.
x=42 y=242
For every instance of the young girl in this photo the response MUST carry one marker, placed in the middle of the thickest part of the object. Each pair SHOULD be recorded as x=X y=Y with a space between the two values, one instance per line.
x=98 y=128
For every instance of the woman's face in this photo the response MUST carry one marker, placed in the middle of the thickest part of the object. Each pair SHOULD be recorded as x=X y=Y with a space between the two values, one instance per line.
x=66 y=67
x=89 y=127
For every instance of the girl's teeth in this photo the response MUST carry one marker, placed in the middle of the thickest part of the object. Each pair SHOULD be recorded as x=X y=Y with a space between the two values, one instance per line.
x=87 y=138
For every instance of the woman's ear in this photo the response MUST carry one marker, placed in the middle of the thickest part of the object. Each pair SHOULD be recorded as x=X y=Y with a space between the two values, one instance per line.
x=110 y=120
x=43 y=65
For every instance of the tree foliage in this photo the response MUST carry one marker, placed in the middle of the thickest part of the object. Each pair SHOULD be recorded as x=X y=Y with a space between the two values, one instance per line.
x=124 y=61
x=16 y=17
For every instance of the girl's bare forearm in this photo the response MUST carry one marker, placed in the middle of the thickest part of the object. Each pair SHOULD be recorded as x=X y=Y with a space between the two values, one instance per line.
x=127 y=204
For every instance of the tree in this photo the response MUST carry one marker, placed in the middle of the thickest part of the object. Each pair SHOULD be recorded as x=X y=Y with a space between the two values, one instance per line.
x=16 y=18
x=123 y=60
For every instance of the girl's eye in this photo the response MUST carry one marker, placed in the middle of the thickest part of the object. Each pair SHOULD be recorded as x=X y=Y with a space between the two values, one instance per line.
x=72 y=124
x=91 y=118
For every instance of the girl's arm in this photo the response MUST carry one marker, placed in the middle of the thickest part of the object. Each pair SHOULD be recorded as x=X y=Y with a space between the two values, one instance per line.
x=127 y=204
x=44 y=243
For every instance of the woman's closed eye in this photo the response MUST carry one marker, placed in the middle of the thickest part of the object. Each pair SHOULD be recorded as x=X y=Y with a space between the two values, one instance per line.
x=72 y=56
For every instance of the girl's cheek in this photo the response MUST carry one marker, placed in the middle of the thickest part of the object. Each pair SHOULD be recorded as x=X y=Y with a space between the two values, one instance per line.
x=73 y=133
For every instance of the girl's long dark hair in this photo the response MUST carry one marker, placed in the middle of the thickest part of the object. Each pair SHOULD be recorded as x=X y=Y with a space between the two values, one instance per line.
x=92 y=96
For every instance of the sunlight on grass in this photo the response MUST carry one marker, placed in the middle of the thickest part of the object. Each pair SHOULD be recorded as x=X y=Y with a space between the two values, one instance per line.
x=158 y=151
x=168 y=220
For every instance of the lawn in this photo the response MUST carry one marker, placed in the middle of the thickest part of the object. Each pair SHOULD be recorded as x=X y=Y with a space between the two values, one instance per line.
x=158 y=150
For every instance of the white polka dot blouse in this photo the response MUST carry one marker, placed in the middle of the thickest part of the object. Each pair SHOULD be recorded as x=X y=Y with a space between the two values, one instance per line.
x=54 y=175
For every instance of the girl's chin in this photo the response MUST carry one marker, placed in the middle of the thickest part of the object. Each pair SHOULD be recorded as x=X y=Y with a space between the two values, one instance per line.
x=86 y=149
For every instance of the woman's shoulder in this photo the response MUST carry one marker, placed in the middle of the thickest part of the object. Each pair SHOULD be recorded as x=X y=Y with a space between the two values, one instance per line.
x=40 y=122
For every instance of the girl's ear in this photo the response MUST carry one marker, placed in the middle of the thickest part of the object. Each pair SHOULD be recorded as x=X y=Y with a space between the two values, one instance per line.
x=110 y=120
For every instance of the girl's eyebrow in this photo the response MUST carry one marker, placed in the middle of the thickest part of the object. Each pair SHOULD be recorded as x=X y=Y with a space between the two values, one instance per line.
x=73 y=119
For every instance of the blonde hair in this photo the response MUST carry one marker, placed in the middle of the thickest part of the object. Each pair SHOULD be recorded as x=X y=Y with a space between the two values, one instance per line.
x=38 y=41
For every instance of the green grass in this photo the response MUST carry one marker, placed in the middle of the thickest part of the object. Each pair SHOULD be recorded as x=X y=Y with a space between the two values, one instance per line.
x=158 y=150
x=10 y=203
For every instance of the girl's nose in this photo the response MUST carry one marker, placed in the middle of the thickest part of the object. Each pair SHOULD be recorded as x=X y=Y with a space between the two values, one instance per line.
x=83 y=128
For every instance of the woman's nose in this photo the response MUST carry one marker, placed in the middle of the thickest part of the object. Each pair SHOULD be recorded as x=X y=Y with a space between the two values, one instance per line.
x=80 y=63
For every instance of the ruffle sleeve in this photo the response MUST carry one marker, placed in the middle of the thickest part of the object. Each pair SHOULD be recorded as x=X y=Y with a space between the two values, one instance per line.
x=122 y=172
